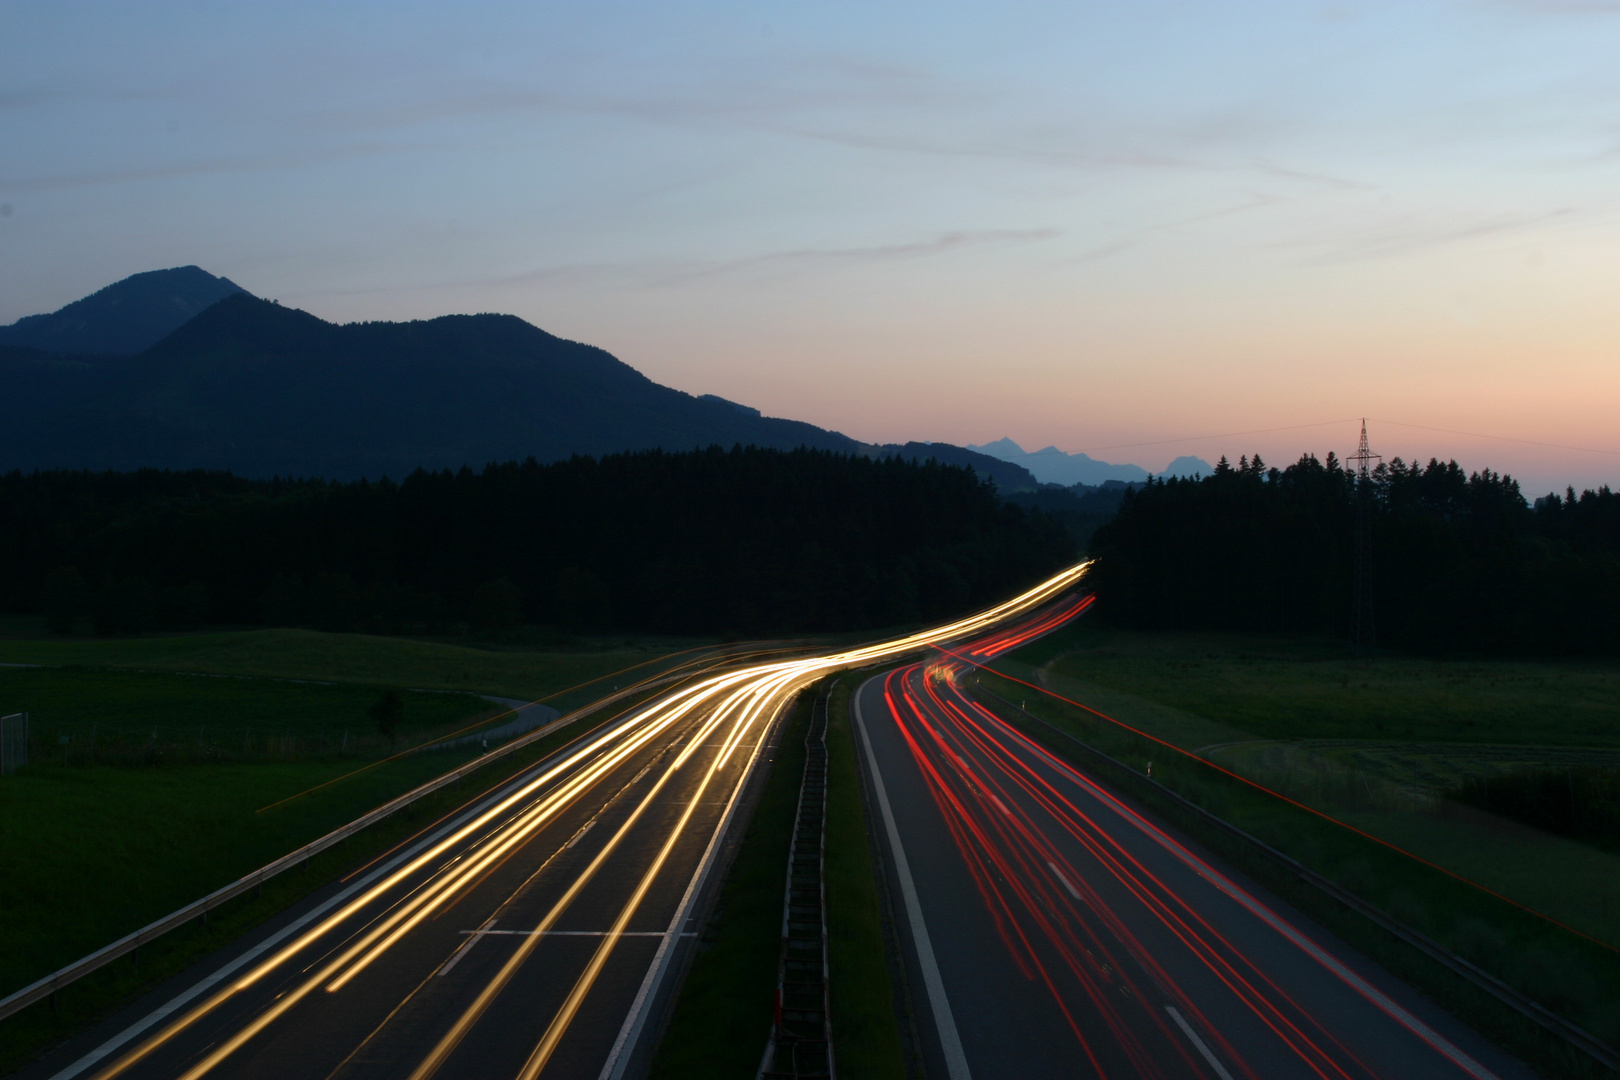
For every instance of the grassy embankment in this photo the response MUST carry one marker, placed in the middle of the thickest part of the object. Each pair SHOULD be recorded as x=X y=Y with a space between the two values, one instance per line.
x=95 y=849
x=1375 y=746
x=723 y=1016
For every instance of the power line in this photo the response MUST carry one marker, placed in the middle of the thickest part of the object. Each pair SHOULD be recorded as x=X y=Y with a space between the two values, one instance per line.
x=1351 y=420
x=1226 y=435
x=1499 y=438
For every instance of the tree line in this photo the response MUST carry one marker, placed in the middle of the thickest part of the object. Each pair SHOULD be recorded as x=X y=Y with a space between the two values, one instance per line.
x=1460 y=562
x=742 y=541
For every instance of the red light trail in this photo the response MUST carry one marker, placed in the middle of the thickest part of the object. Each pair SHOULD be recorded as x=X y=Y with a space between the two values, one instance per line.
x=1068 y=898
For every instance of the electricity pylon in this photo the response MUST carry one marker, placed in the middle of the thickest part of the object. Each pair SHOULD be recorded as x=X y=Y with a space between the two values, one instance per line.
x=1362 y=639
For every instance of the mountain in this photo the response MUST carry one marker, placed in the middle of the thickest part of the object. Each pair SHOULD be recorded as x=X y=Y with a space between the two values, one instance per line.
x=262 y=390
x=124 y=318
x=180 y=369
x=1053 y=466
x=1187 y=465
x=1007 y=477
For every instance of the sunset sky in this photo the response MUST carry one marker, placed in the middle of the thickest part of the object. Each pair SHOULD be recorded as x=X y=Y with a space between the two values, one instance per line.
x=1111 y=227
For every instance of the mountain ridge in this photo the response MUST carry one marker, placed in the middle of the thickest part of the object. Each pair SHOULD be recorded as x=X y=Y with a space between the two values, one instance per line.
x=258 y=388
x=263 y=389
x=1050 y=465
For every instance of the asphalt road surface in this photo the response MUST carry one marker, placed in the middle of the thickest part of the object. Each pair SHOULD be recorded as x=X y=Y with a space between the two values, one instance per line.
x=1052 y=930
x=514 y=939
x=533 y=935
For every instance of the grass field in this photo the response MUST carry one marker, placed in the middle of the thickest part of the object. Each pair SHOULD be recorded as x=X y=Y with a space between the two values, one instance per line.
x=107 y=715
x=95 y=852
x=351 y=658
x=1273 y=688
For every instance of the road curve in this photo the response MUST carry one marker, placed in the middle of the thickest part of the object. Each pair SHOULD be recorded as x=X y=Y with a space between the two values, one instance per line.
x=532 y=935
x=1053 y=930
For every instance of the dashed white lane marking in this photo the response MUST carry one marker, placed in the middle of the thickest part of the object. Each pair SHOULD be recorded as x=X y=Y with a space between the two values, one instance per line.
x=1059 y=875
x=1214 y=1063
x=455 y=957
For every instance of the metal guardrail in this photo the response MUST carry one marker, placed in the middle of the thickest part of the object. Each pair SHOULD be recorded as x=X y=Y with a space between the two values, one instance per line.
x=50 y=984
x=1576 y=1036
x=801 y=1034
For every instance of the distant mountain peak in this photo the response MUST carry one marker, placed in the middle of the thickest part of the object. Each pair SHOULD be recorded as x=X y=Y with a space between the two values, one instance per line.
x=1187 y=465
x=126 y=317
x=1053 y=466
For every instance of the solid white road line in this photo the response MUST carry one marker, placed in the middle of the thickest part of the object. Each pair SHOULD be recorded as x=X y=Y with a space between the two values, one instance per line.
x=1220 y=1070
x=950 y=1042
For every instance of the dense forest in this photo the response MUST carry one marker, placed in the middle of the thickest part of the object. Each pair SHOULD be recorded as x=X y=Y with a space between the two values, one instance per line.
x=1459 y=562
x=745 y=541
x=1079 y=508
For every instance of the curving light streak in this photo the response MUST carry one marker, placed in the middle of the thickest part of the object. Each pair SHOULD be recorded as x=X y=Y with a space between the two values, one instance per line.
x=750 y=699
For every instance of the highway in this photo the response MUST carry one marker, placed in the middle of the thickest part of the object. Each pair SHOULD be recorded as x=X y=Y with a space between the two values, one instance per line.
x=1050 y=929
x=533 y=935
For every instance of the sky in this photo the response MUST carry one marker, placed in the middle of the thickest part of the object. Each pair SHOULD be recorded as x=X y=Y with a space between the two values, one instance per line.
x=1134 y=230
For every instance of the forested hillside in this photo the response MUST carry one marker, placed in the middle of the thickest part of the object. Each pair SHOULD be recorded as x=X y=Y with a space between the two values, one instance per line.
x=743 y=541
x=263 y=390
x=1460 y=562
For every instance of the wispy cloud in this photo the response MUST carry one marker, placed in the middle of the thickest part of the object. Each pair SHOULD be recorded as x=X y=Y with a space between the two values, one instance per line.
x=290 y=159
x=674 y=272
x=862 y=105
x=1129 y=240
x=880 y=253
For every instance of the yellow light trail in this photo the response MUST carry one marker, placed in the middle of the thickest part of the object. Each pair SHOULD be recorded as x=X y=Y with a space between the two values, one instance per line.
x=751 y=698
